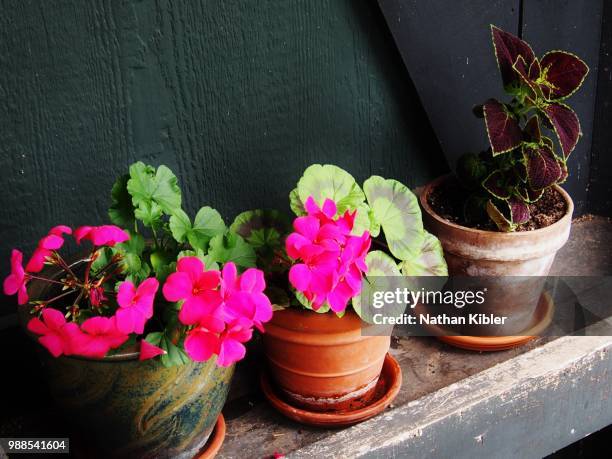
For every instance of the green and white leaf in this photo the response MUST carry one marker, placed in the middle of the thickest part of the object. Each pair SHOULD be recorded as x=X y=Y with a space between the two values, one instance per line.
x=429 y=262
x=296 y=204
x=382 y=269
x=397 y=210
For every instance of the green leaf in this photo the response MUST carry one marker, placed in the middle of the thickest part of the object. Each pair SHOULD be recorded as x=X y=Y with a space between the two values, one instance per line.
x=121 y=211
x=208 y=223
x=153 y=189
x=228 y=247
x=154 y=338
x=297 y=206
x=174 y=354
x=365 y=221
x=104 y=257
x=308 y=304
x=429 y=262
x=397 y=210
x=381 y=271
x=264 y=230
x=149 y=213
x=328 y=181
x=180 y=225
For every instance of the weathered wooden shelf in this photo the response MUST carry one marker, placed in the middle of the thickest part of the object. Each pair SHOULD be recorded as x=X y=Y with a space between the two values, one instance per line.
x=526 y=402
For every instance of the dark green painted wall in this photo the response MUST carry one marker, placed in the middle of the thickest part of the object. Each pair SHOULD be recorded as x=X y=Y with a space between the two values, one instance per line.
x=237 y=97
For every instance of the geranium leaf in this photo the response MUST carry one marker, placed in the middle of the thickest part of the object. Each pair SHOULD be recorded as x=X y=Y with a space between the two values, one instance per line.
x=180 y=225
x=397 y=210
x=150 y=186
x=382 y=270
x=565 y=124
x=328 y=181
x=519 y=211
x=231 y=247
x=542 y=167
x=365 y=221
x=495 y=184
x=503 y=221
x=207 y=224
x=507 y=48
x=503 y=130
x=297 y=206
x=121 y=211
x=261 y=227
x=149 y=213
x=429 y=262
x=563 y=74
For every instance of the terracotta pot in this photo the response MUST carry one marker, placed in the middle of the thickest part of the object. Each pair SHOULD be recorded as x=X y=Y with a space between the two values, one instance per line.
x=504 y=261
x=322 y=362
x=122 y=407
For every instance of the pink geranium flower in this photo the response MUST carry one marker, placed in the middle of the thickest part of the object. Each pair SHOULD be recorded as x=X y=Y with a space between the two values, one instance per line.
x=149 y=351
x=16 y=281
x=58 y=336
x=203 y=340
x=52 y=241
x=243 y=295
x=197 y=288
x=101 y=335
x=231 y=348
x=135 y=305
x=101 y=235
x=331 y=261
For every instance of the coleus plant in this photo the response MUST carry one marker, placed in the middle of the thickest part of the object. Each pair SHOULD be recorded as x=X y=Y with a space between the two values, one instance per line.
x=337 y=224
x=107 y=299
x=523 y=161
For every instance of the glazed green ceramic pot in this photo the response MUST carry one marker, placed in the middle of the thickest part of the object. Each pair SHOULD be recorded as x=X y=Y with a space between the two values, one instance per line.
x=127 y=408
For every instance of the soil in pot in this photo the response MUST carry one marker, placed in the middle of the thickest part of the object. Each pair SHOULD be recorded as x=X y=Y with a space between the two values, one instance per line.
x=321 y=362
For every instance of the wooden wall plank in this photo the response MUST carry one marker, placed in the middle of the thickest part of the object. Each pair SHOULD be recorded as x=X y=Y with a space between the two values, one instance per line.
x=237 y=97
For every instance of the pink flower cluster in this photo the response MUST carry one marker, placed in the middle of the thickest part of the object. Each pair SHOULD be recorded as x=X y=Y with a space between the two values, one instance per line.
x=98 y=335
x=331 y=260
x=221 y=307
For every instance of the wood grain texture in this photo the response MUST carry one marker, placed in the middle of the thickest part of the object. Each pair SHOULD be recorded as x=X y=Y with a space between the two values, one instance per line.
x=574 y=26
x=238 y=97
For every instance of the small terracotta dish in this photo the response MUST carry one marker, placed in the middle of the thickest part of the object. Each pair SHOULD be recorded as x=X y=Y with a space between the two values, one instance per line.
x=214 y=443
x=387 y=389
x=544 y=313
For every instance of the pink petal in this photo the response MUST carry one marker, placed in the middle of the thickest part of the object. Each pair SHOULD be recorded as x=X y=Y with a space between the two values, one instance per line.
x=339 y=297
x=53 y=343
x=201 y=345
x=11 y=284
x=329 y=208
x=53 y=319
x=81 y=232
x=129 y=321
x=177 y=286
x=311 y=206
x=35 y=325
x=229 y=276
x=209 y=280
x=60 y=229
x=108 y=235
x=193 y=266
x=263 y=307
x=307 y=227
x=37 y=262
x=294 y=243
x=192 y=310
x=252 y=280
x=97 y=325
x=126 y=294
x=300 y=276
x=22 y=295
x=149 y=351
x=230 y=352
x=51 y=242
x=239 y=305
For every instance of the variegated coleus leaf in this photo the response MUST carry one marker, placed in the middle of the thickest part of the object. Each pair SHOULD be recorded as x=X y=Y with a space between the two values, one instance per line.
x=531 y=131
x=521 y=70
x=496 y=184
x=519 y=211
x=566 y=125
x=527 y=194
x=508 y=214
x=562 y=73
x=397 y=211
x=430 y=261
x=543 y=167
x=503 y=129
x=507 y=49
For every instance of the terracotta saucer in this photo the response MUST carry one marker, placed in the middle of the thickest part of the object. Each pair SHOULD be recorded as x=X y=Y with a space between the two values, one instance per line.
x=544 y=314
x=214 y=443
x=387 y=389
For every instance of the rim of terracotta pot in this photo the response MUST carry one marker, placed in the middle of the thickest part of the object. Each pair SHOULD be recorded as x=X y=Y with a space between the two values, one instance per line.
x=427 y=189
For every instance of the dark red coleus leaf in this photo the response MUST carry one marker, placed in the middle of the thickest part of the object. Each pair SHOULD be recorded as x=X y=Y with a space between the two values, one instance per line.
x=543 y=167
x=501 y=219
x=529 y=195
x=522 y=71
x=507 y=48
x=520 y=169
x=564 y=171
x=495 y=184
x=502 y=128
x=532 y=130
x=563 y=74
x=566 y=125
x=519 y=211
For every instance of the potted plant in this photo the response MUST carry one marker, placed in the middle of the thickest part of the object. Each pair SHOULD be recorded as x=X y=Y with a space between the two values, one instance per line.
x=317 y=354
x=504 y=213
x=145 y=373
